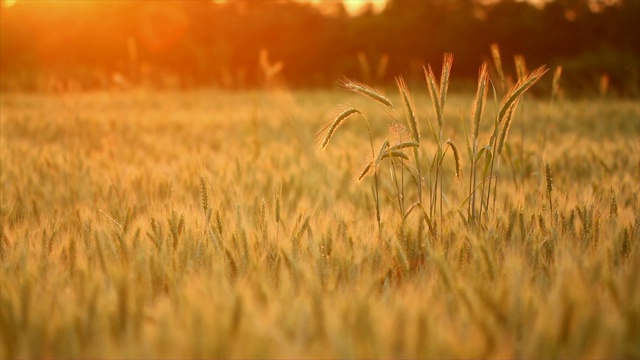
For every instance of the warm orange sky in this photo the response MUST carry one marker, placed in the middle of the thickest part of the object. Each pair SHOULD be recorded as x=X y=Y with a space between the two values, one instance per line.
x=352 y=6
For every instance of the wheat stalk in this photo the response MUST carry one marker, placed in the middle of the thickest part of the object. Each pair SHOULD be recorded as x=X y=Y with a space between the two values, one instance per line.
x=476 y=116
x=438 y=96
x=505 y=117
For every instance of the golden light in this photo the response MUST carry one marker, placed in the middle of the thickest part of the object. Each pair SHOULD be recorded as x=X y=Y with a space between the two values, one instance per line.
x=355 y=7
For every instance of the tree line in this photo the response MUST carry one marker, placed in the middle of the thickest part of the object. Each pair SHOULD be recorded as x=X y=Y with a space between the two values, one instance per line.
x=243 y=43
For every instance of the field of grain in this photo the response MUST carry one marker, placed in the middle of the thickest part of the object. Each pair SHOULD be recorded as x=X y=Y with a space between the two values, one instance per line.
x=206 y=224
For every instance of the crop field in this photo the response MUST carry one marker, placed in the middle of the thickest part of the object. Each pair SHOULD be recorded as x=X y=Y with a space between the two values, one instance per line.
x=215 y=224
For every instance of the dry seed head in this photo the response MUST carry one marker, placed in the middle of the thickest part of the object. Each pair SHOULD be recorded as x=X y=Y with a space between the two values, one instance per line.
x=365 y=90
x=364 y=171
x=495 y=53
x=412 y=120
x=204 y=197
x=481 y=98
x=506 y=127
x=434 y=93
x=555 y=87
x=614 y=203
x=333 y=126
x=394 y=154
x=404 y=145
x=547 y=170
x=383 y=149
x=456 y=157
x=447 y=62
x=518 y=89
x=521 y=67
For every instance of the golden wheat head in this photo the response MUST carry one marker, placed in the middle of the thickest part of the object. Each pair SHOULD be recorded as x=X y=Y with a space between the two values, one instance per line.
x=412 y=119
x=518 y=89
x=480 y=99
x=327 y=132
x=366 y=91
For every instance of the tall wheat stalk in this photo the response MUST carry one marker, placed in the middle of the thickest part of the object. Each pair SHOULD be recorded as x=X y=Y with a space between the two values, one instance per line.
x=481 y=186
x=328 y=131
x=503 y=125
x=438 y=96
x=414 y=127
x=476 y=116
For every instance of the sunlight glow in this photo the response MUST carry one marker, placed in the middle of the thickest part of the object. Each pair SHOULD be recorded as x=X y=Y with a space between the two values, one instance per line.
x=354 y=7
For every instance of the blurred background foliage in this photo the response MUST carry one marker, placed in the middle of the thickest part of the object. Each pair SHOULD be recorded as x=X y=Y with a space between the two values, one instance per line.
x=241 y=44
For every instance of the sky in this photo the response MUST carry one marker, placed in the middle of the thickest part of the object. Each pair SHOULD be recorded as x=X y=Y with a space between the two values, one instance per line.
x=352 y=6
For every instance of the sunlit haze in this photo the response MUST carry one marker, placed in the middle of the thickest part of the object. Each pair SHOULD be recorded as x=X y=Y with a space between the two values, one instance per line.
x=306 y=179
x=353 y=7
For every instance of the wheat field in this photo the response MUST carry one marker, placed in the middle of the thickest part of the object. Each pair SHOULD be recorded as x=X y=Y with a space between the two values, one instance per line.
x=206 y=224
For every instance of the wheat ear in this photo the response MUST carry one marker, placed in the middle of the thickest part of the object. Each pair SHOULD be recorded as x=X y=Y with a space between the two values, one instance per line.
x=521 y=66
x=404 y=145
x=366 y=91
x=456 y=157
x=447 y=62
x=480 y=99
x=495 y=53
x=519 y=89
x=412 y=120
x=505 y=128
x=434 y=93
x=555 y=87
x=333 y=126
x=549 y=177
